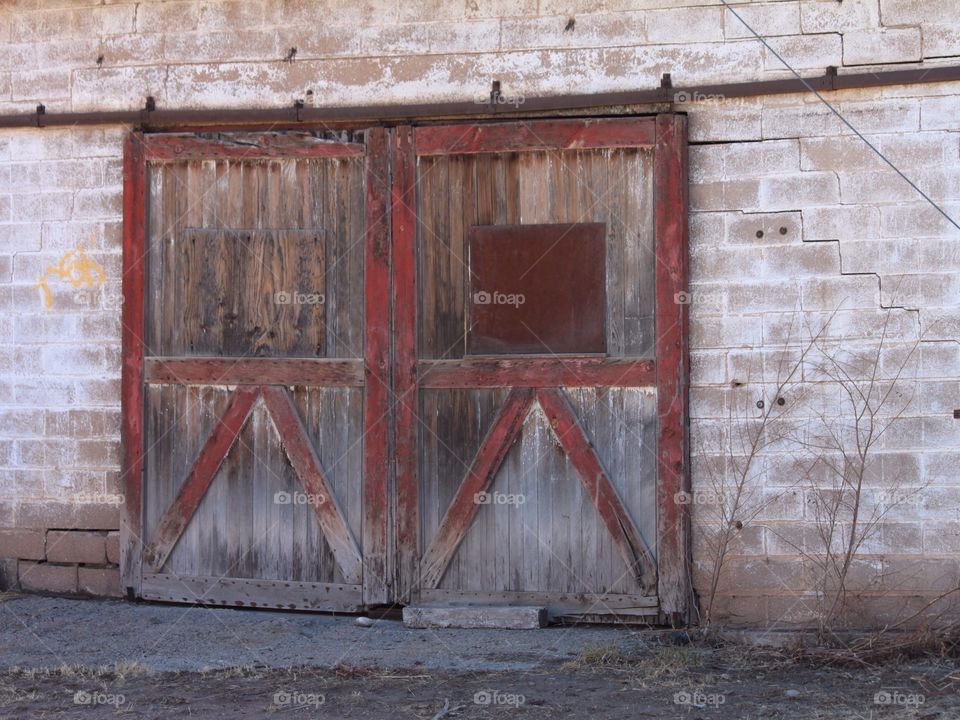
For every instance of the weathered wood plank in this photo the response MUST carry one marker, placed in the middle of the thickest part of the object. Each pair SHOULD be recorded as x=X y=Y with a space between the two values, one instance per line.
x=600 y=601
x=484 y=467
x=536 y=372
x=476 y=616
x=597 y=484
x=640 y=617
x=453 y=424
x=527 y=136
x=253 y=371
x=640 y=274
x=131 y=376
x=241 y=277
x=621 y=424
x=178 y=421
x=406 y=393
x=378 y=561
x=303 y=457
x=673 y=364
x=247 y=147
x=240 y=592
x=178 y=515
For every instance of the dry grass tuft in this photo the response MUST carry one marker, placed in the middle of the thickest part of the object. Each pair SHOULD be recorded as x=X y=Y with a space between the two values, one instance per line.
x=116 y=671
x=661 y=664
x=883 y=648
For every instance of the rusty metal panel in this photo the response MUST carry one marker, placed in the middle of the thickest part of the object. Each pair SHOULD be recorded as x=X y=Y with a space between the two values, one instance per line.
x=537 y=289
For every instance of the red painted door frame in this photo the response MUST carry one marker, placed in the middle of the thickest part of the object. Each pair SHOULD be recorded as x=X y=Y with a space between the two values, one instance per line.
x=666 y=134
x=259 y=377
x=391 y=548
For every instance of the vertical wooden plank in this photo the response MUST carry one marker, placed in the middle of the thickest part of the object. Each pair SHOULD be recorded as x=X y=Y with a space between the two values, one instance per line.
x=590 y=537
x=644 y=458
x=531 y=485
x=426 y=252
x=648 y=243
x=540 y=475
x=333 y=418
x=597 y=484
x=204 y=469
x=478 y=479
x=509 y=530
x=219 y=541
x=642 y=262
x=615 y=184
x=582 y=399
x=131 y=376
x=426 y=467
x=351 y=334
x=506 y=196
x=350 y=453
x=406 y=403
x=543 y=459
x=159 y=187
x=455 y=273
x=266 y=514
x=376 y=551
x=448 y=321
x=191 y=193
x=533 y=204
x=338 y=453
x=303 y=457
x=630 y=198
x=672 y=364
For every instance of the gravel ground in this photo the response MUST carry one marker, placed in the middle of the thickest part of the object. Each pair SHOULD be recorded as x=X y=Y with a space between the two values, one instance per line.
x=45 y=632
x=95 y=659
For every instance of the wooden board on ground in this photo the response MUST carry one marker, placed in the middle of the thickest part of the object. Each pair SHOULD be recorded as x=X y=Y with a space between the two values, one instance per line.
x=241 y=592
x=476 y=616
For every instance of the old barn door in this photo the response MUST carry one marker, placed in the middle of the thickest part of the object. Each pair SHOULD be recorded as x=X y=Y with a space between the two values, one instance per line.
x=255 y=377
x=540 y=366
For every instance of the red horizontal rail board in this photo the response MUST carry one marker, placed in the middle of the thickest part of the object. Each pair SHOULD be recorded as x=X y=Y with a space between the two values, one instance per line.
x=303 y=458
x=479 y=477
x=546 y=372
x=189 y=147
x=526 y=136
x=176 y=518
x=598 y=487
x=253 y=371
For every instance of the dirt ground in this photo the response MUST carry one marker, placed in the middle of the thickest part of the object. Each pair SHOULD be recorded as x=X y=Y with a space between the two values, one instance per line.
x=64 y=658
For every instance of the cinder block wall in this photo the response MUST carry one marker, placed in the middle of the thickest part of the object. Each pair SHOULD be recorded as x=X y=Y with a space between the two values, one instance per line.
x=791 y=215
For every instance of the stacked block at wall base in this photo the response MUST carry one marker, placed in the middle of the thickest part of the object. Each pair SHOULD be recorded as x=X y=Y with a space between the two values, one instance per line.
x=792 y=218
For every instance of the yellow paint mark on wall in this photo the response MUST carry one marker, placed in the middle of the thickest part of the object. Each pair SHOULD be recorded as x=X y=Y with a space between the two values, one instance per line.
x=74 y=268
